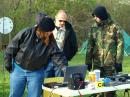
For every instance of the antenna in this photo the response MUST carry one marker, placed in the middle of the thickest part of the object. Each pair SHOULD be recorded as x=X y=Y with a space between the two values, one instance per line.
x=6 y=26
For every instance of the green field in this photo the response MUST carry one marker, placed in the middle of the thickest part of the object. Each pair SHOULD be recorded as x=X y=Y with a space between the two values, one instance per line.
x=77 y=60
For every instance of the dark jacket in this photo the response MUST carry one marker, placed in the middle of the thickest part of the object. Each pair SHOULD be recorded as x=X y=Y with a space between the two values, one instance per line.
x=70 y=44
x=30 y=53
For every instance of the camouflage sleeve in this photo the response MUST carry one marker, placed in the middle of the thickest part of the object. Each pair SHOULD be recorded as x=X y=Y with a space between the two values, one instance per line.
x=90 y=47
x=120 y=47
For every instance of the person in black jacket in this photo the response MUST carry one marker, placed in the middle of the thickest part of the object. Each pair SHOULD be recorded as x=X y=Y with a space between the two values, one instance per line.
x=66 y=41
x=27 y=56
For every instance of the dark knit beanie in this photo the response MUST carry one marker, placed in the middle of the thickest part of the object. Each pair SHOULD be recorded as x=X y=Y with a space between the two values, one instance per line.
x=100 y=12
x=46 y=24
x=40 y=16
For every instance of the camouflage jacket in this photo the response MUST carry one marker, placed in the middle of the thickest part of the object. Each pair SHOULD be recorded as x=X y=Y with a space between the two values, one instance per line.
x=105 y=44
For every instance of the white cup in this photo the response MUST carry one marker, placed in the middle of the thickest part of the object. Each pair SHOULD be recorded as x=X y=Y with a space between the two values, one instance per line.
x=97 y=74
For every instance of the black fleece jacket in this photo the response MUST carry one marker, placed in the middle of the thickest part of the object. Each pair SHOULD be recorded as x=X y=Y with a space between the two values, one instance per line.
x=30 y=53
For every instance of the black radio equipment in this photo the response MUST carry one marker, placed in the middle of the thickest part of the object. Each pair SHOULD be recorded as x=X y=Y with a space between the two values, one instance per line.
x=76 y=81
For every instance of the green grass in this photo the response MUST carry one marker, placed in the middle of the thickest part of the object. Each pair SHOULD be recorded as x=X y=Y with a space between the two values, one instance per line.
x=77 y=60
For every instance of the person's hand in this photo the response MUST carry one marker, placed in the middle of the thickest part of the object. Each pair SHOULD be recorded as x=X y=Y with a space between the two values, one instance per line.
x=89 y=67
x=118 y=67
x=9 y=67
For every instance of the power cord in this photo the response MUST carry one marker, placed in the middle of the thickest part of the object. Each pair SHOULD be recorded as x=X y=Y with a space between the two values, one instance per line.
x=51 y=93
x=51 y=86
x=80 y=84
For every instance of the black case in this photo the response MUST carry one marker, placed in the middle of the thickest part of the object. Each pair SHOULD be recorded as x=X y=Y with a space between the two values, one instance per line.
x=76 y=81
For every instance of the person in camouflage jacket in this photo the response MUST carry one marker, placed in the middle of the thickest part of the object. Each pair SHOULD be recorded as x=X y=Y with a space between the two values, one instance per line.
x=105 y=44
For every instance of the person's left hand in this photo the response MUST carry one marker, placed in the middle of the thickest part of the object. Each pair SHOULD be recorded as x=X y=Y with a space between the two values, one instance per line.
x=8 y=67
x=118 y=67
x=89 y=67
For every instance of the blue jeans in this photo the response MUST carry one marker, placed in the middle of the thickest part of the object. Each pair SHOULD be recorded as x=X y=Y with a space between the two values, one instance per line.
x=53 y=71
x=21 y=78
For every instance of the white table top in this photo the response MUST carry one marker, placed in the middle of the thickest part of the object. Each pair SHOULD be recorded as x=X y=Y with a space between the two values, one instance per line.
x=64 y=91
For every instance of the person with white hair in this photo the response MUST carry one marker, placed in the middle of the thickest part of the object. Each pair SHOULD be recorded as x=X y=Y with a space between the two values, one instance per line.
x=66 y=40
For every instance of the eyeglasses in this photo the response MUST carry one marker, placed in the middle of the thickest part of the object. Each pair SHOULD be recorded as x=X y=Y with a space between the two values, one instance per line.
x=62 y=21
